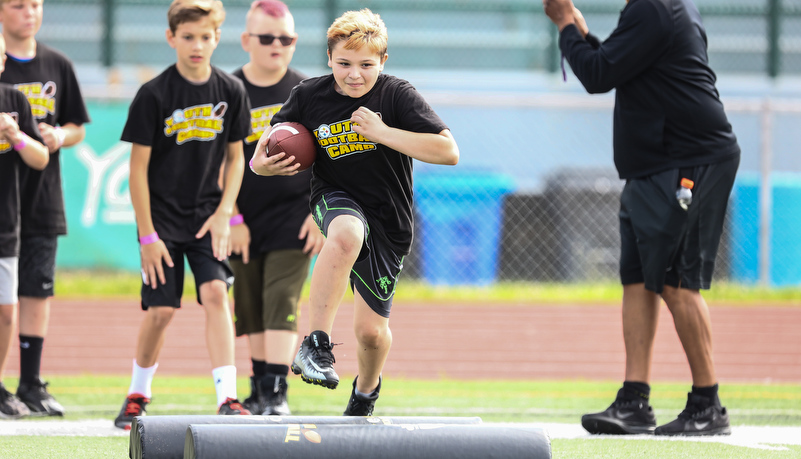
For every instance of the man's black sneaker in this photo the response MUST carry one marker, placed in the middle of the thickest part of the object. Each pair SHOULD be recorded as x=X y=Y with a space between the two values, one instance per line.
x=360 y=405
x=314 y=361
x=232 y=407
x=34 y=394
x=273 y=391
x=254 y=403
x=10 y=406
x=134 y=405
x=623 y=417
x=701 y=416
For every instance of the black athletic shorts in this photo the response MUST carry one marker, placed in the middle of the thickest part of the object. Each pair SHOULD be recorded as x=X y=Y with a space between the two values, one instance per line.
x=378 y=267
x=204 y=267
x=37 y=265
x=661 y=243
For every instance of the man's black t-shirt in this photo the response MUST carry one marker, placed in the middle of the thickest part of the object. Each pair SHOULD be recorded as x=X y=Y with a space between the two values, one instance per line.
x=15 y=105
x=377 y=177
x=668 y=113
x=48 y=81
x=188 y=127
x=274 y=208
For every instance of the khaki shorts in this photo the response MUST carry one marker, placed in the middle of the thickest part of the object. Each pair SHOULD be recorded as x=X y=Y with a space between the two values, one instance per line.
x=267 y=291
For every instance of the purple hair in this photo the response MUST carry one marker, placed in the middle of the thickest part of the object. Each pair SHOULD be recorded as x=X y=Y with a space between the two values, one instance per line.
x=274 y=8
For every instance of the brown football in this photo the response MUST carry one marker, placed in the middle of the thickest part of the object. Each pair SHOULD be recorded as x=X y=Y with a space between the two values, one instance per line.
x=294 y=140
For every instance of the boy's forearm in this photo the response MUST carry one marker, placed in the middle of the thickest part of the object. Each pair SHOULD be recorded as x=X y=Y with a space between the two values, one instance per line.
x=73 y=134
x=232 y=180
x=430 y=148
x=140 y=193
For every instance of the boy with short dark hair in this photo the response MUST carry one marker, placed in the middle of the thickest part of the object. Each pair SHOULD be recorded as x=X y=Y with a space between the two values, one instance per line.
x=369 y=127
x=184 y=125
x=274 y=234
x=48 y=80
x=19 y=140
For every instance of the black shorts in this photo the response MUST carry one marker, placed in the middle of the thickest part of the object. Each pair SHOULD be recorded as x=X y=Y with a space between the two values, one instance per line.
x=378 y=267
x=37 y=265
x=661 y=243
x=204 y=267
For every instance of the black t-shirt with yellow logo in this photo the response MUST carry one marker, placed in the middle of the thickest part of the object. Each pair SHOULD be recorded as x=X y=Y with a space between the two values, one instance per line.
x=274 y=208
x=188 y=127
x=377 y=177
x=48 y=81
x=15 y=105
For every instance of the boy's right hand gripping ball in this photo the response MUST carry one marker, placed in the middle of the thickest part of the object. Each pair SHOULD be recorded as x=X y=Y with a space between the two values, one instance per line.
x=294 y=140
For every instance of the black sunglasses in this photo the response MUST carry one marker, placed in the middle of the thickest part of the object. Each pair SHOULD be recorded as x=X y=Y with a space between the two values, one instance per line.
x=268 y=39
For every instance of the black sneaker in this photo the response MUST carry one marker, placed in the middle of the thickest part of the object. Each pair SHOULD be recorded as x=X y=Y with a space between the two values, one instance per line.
x=273 y=390
x=701 y=416
x=38 y=400
x=254 y=403
x=359 y=405
x=314 y=361
x=623 y=417
x=134 y=405
x=232 y=407
x=10 y=406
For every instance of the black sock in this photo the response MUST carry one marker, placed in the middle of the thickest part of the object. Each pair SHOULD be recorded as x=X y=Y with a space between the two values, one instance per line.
x=276 y=369
x=633 y=390
x=710 y=392
x=259 y=367
x=30 y=357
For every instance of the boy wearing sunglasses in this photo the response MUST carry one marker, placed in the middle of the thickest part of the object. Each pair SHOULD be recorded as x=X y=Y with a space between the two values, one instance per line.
x=273 y=235
x=369 y=128
x=184 y=126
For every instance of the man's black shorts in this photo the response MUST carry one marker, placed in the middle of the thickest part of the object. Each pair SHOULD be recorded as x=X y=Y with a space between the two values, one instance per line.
x=204 y=267
x=378 y=267
x=661 y=243
x=37 y=266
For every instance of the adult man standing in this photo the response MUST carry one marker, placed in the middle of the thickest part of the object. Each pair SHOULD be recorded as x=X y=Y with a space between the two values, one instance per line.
x=670 y=132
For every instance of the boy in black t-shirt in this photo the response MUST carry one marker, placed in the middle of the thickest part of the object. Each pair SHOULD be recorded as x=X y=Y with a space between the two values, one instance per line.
x=369 y=127
x=48 y=80
x=20 y=143
x=275 y=233
x=185 y=124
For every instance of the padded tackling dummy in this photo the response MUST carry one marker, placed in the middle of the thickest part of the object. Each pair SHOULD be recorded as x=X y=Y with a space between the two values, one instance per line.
x=162 y=437
x=338 y=441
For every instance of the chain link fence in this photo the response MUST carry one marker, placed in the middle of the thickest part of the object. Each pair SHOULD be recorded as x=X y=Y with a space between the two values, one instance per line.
x=535 y=197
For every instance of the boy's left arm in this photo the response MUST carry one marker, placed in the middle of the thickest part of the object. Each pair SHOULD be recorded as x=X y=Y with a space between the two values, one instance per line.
x=438 y=148
x=61 y=136
x=219 y=222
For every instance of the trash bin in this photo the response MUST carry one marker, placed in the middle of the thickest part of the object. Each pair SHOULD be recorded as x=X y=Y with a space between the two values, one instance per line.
x=785 y=237
x=460 y=225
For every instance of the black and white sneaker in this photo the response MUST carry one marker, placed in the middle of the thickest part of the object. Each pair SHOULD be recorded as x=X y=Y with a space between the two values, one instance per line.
x=359 y=405
x=38 y=400
x=623 y=417
x=255 y=402
x=315 y=360
x=11 y=407
x=273 y=391
x=701 y=416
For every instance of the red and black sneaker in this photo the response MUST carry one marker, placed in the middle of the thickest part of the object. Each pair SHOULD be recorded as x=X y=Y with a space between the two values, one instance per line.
x=233 y=407
x=134 y=405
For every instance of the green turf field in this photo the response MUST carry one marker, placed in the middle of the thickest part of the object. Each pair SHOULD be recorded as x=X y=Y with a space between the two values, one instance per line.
x=96 y=397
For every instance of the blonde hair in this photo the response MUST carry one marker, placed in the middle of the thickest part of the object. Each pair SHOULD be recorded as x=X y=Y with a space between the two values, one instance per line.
x=358 y=29
x=182 y=11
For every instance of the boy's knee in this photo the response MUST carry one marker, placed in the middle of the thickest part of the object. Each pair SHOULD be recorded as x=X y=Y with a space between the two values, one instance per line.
x=160 y=316
x=214 y=294
x=372 y=337
x=346 y=235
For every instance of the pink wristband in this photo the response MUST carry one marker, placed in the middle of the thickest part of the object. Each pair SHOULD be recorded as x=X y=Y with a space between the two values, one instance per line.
x=149 y=239
x=237 y=219
x=21 y=144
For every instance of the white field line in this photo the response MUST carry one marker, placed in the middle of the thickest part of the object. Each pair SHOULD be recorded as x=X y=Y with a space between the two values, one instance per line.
x=767 y=438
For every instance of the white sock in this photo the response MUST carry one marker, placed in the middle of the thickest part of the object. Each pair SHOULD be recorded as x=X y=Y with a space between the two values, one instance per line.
x=224 y=382
x=141 y=379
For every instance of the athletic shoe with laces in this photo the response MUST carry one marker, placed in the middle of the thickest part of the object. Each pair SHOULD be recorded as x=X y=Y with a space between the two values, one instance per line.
x=232 y=407
x=623 y=417
x=134 y=405
x=315 y=359
x=359 y=405
x=34 y=394
x=701 y=416
x=273 y=390
x=255 y=402
x=10 y=406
